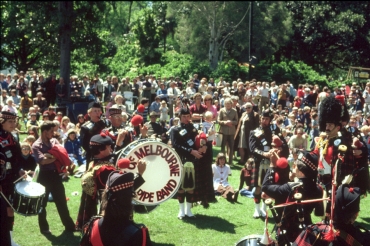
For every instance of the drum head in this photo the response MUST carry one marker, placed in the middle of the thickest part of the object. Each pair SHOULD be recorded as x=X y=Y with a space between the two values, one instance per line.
x=252 y=240
x=30 y=189
x=163 y=172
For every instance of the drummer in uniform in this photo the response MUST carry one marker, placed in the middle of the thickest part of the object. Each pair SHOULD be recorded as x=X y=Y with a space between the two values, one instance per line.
x=91 y=128
x=10 y=169
x=183 y=141
x=120 y=135
x=95 y=177
x=116 y=226
x=259 y=145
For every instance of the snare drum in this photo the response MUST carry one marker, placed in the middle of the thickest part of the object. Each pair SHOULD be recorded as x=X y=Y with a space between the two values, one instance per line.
x=252 y=240
x=28 y=197
x=163 y=171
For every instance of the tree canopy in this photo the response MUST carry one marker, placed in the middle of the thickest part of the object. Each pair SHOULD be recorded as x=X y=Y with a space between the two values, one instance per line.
x=130 y=37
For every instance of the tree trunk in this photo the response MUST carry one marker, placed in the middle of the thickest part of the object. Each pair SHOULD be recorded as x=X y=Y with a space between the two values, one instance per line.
x=213 y=46
x=65 y=31
x=164 y=42
x=213 y=54
x=129 y=16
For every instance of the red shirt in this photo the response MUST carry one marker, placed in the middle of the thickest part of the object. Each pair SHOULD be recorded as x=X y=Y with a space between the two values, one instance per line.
x=201 y=110
x=300 y=93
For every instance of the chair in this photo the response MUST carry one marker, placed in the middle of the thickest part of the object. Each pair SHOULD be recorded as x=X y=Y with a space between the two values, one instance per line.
x=129 y=95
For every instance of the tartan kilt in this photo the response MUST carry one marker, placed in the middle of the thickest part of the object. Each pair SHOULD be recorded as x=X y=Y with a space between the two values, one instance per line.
x=203 y=177
x=313 y=235
x=255 y=173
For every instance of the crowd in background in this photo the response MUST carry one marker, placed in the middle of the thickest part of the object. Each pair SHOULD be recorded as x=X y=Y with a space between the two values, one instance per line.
x=296 y=108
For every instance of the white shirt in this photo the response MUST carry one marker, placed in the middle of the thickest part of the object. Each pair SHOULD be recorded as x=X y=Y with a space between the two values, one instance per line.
x=154 y=87
x=172 y=94
x=220 y=175
x=190 y=91
x=264 y=92
x=366 y=96
x=206 y=128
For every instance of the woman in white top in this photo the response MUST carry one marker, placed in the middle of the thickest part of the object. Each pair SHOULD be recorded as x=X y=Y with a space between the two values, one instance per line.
x=119 y=103
x=10 y=107
x=221 y=173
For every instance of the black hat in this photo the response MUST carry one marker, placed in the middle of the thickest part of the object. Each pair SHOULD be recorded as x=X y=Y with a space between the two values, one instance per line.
x=7 y=115
x=120 y=182
x=184 y=110
x=93 y=105
x=113 y=111
x=332 y=111
x=101 y=139
x=347 y=200
x=310 y=160
x=267 y=113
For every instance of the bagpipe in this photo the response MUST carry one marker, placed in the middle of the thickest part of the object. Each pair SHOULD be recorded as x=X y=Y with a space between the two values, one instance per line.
x=329 y=234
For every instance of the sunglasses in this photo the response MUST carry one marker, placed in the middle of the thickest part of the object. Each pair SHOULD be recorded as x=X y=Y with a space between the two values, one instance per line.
x=25 y=149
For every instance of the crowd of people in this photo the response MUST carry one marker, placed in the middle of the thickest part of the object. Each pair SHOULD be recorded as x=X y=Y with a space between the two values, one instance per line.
x=257 y=125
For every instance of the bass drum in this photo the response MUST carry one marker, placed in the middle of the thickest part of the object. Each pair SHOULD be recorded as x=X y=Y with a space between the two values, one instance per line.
x=252 y=240
x=163 y=172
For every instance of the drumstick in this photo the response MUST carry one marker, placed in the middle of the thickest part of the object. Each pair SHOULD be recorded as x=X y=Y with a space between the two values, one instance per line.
x=276 y=155
x=23 y=176
x=2 y=194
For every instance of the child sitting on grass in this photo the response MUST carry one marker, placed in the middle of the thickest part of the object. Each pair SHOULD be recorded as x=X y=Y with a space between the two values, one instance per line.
x=221 y=173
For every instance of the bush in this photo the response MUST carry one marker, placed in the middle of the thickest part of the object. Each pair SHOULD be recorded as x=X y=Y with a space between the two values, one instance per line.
x=295 y=72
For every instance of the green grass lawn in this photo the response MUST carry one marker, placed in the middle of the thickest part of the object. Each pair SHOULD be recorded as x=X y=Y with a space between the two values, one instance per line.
x=223 y=223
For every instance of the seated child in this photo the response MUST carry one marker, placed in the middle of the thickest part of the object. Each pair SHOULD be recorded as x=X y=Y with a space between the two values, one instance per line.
x=221 y=172
x=73 y=147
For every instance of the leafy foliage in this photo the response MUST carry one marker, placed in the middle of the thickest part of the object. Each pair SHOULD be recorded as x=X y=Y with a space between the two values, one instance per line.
x=295 y=72
x=147 y=35
x=182 y=38
x=26 y=40
x=330 y=35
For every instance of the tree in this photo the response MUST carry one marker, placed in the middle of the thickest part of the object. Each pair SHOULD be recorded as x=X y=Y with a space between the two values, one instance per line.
x=330 y=34
x=43 y=35
x=26 y=40
x=65 y=31
x=222 y=20
x=147 y=34
x=167 y=25
x=219 y=30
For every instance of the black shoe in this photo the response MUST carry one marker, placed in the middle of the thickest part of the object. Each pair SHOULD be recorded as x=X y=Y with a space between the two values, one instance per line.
x=205 y=205
x=46 y=232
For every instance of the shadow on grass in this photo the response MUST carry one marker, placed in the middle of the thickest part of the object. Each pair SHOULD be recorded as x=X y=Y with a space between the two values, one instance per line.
x=162 y=244
x=66 y=238
x=211 y=222
x=365 y=225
